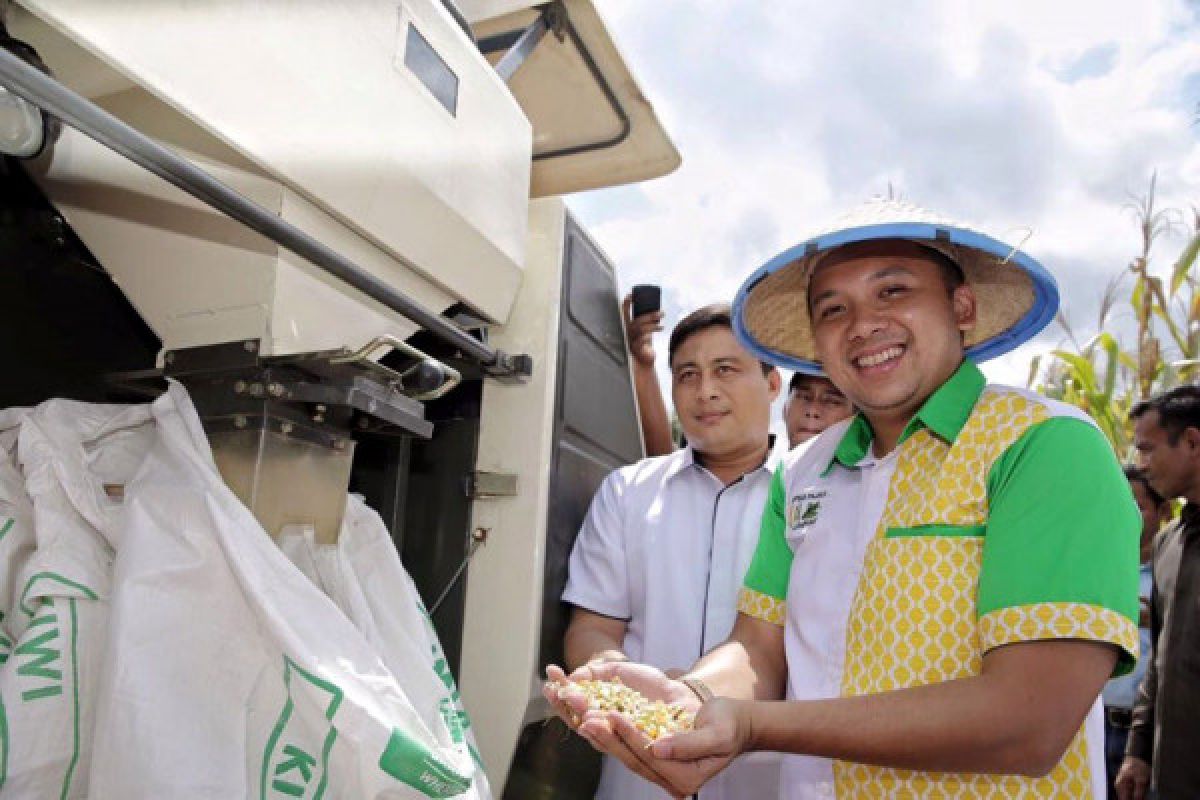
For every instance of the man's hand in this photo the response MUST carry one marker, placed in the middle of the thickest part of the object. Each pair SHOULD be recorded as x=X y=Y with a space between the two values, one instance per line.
x=684 y=762
x=652 y=683
x=1133 y=779
x=639 y=331
x=600 y=728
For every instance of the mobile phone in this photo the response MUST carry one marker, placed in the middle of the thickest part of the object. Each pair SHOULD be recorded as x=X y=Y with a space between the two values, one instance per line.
x=646 y=299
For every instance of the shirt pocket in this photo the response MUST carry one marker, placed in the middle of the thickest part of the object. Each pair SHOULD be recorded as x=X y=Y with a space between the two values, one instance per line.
x=948 y=557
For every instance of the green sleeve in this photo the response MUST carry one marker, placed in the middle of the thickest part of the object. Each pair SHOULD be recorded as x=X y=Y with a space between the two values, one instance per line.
x=772 y=563
x=1060 y=553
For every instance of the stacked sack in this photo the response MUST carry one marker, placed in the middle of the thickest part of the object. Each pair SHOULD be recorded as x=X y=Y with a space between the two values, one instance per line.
x=157 y=643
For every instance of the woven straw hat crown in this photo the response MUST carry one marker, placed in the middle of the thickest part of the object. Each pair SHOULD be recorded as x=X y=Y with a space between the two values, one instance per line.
x=1017 y=298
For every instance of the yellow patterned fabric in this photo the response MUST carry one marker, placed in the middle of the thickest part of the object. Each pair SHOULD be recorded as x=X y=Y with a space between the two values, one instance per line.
x=1056 y=621
x=914 y=619
x=762 y=606
x=1070 y=780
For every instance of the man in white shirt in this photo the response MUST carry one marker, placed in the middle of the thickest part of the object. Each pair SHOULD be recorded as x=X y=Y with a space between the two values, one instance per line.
x=655 y=571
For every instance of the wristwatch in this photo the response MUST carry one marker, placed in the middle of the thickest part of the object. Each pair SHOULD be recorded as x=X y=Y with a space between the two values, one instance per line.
x=699 y=688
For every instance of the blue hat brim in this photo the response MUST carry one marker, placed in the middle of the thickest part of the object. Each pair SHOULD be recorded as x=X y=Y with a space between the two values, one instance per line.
x=1041 y=312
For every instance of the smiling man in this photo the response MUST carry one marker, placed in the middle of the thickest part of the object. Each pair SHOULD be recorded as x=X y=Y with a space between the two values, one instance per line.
x=813 y=404
x=944 y=583
x=655 y=572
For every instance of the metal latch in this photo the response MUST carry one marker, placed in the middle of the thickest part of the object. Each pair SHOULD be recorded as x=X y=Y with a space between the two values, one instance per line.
x=486 y=485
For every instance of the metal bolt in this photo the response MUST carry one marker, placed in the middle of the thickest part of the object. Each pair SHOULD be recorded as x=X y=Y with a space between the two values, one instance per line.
x=239 y=387
x=169 y=358
x=480 y=534
x=250 y=345
x=275 y=389
x=58 y=229
x=339 y=444
x=240 y=421
x=256 y=389
x=286 y=427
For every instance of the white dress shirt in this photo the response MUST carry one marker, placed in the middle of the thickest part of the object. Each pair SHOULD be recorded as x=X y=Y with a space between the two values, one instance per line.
x=665 y=547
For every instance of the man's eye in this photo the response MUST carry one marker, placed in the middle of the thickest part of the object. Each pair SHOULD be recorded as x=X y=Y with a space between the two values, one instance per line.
x=893 y=291
x=829 y=311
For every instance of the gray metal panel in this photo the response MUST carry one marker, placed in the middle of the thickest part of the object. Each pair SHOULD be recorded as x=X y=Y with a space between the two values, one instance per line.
x=596 y=427
x=590 y=297
x=596 y=431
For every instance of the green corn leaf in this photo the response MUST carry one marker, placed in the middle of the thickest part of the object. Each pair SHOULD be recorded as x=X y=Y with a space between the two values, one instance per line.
x=1184 y=265
x=1081 y=369
x=1109 y=345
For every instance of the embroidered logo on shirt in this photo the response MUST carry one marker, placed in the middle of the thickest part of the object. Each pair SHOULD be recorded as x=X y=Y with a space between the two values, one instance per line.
x=803 y=509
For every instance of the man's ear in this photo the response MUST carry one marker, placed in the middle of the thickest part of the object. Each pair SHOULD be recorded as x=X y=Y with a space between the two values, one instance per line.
x=963 y=299
x=1191 y=437
x=774 y=382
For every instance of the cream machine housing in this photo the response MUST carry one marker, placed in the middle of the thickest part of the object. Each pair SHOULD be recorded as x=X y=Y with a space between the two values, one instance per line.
x=339 y=225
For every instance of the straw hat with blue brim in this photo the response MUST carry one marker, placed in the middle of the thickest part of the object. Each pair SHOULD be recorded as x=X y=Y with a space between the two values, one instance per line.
x=1016 y=296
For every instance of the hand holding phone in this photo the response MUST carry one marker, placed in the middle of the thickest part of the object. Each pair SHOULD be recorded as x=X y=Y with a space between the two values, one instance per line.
x=643 y=318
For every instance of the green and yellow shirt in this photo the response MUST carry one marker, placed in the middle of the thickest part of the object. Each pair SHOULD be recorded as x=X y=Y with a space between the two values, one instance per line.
x=1001 y=517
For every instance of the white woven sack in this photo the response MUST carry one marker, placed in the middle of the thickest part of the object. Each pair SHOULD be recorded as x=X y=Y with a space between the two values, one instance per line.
x=365 y=578
x=16 y=522
x=68 y=453
x=229 y=673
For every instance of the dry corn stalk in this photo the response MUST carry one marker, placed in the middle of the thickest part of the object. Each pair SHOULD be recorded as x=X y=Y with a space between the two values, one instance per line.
x=654 y=718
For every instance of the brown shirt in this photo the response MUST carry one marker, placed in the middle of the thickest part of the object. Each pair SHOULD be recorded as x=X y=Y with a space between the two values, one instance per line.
x=1166 y=716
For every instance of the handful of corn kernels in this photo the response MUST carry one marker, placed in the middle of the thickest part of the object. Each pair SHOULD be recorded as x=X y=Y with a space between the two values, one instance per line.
x=654 y=718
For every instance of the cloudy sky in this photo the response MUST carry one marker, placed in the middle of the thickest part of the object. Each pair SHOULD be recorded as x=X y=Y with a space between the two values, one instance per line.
x=1024 y=117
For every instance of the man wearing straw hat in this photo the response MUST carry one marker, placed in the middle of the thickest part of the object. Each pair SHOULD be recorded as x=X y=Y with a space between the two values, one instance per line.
x=943 y=583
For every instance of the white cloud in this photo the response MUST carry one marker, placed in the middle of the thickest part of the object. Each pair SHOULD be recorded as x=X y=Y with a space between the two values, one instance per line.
x=1015 y=115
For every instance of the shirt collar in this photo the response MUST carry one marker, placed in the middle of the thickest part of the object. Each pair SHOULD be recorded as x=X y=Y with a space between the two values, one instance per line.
x=944 y=413
x=686 y=457
x=681 y=459
x=1190 y=516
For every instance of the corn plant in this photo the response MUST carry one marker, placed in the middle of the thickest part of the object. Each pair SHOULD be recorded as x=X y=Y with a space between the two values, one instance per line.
x=1100 y=375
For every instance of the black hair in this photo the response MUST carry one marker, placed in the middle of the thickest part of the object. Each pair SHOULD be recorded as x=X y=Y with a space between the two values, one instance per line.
x=798 y=379
x=1138 y=475
x=716 y=315
x=1178 y=410
x=952 y=274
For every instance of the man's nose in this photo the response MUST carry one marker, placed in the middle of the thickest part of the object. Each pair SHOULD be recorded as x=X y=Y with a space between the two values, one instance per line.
x=812 y=410
x=708 y=386
x=865 y=323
